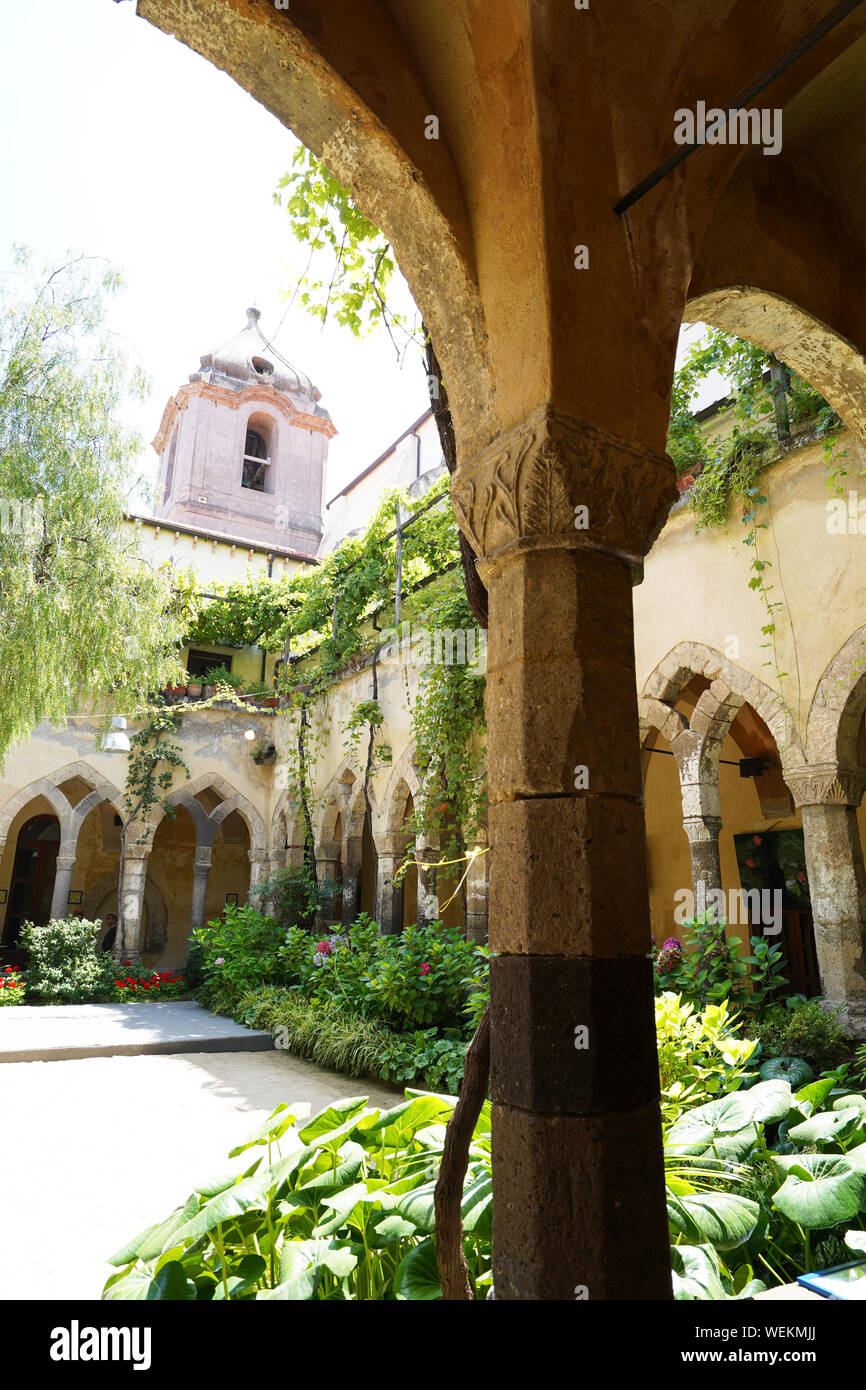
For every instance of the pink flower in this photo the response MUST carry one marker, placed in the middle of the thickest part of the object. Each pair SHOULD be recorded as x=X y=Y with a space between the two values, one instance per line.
x=220 y=960
x=425 y=968
x=324 y=948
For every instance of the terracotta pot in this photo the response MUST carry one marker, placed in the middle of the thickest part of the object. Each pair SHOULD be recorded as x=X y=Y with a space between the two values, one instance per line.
x=271 y=701
x=194 y=691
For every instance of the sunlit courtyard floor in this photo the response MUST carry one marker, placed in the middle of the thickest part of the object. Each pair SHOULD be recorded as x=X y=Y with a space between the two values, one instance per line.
x=94 y=1150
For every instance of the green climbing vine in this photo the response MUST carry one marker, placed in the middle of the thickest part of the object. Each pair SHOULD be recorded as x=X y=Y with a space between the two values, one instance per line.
x=154 y=759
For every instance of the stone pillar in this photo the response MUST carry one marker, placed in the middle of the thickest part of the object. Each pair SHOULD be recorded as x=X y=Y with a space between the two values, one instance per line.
x=201 y=874
x=352 y=858
x=562 y=513
x=127 y=945
x=703 y=836
x=828 y=798
x=258 y=864
x=328 y=859
x=62 y=880
x=428 y=896
x=477 y=884
x=389 y=895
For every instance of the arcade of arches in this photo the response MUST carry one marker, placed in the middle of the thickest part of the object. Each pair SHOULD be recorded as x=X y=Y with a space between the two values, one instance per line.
x=558 y=370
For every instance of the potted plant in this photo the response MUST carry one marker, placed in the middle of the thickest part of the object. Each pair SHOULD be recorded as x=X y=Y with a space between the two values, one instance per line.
x=194 y=690
x=221 y=676
x=263 y=752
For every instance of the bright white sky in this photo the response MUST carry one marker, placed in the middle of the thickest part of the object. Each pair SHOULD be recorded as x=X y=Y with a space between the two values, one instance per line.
x=121 y=142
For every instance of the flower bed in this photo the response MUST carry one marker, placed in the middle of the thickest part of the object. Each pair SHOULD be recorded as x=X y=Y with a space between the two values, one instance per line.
x=152 y=986
x=12 y=987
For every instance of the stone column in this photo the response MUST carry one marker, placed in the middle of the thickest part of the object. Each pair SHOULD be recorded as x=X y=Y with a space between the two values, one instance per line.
x=258 y=864
x=563 y=512
x=328 y=858
x=62 y=880
x=477 y=884
x=389 y=895
x=828 y=798
x=201 y=874
x=127 y=945
x=703 y=836
x=428 y=897
x=352 y=857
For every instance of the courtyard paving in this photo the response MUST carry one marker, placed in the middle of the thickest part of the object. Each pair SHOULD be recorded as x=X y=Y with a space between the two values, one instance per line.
x=95 y=1149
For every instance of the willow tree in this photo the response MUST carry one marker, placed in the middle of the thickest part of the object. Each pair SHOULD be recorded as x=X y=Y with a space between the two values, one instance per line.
x=85 y=620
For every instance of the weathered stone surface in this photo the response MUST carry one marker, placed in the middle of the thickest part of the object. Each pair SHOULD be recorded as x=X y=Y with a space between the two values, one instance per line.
x=560 y=682
x=569 y=1035
x=590 y=896
x=527 y=485
x=579 y=1206
x=837 y=888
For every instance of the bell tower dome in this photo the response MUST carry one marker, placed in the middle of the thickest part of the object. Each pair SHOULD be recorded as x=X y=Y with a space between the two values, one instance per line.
x=242 y=447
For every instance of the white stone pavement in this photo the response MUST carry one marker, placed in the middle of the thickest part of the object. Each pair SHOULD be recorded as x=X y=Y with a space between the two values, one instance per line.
x=64 y=1032
x=94 y=1150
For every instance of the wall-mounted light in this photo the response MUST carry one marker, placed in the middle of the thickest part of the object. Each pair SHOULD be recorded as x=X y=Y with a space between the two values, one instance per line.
x=249 y=735
x=116 y=740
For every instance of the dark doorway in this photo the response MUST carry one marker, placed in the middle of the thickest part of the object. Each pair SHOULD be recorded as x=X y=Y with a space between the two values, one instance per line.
x=32 y=876
x=775 y=861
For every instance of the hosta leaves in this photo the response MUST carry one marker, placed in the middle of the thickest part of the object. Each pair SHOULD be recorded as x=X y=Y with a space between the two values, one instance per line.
x=334 y=1118
x=142 y=1283
x=814 y=1094
x=340 y=1206
x=723 y=1219
x=273 y=1128
x=791 y=1069
x=820 y=1190
x=826 y=1126
x=154 y=1239
x=417 y=1276
x=245 y=1275
x=695 y=1273
x=248 y=1194
x=723 y=1128
x=387 y=1229
x=770 y=1100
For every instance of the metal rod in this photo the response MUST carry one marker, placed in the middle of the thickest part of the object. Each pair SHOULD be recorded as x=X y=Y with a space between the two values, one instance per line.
x=797 y=50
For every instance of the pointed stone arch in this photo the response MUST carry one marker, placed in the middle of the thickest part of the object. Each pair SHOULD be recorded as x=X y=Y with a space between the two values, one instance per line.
x=827 y=360
x=43 y=787
x=665 y=684
x=838 y=705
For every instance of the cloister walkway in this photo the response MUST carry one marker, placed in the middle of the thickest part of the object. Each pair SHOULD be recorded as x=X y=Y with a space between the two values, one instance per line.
x=95 y=1149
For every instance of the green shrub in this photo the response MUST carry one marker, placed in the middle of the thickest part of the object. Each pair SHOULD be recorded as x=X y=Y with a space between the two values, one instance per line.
x=221 y=675
x=67 y=964
x=241 y=948
x=803 y=1028
x=297 y=896
x=700 y=1055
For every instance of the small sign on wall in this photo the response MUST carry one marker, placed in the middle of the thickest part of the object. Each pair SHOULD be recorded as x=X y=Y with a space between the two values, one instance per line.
x=75 y=898
x=231 y=899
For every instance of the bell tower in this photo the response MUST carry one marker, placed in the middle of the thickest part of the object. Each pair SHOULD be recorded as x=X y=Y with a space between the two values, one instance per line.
x=242 y=447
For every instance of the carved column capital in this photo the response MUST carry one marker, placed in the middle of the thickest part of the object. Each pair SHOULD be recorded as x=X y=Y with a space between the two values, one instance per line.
x=826 y=784
x=523 y=490
x=702 y=829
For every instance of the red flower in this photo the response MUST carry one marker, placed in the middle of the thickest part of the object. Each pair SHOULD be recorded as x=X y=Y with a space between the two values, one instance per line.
x=425 y=968
x=324 y=948
x=801 y=877
x=756 y=840
x=750 y=863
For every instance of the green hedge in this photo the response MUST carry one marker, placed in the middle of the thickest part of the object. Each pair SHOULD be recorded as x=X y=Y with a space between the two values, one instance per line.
x=324 y=1032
